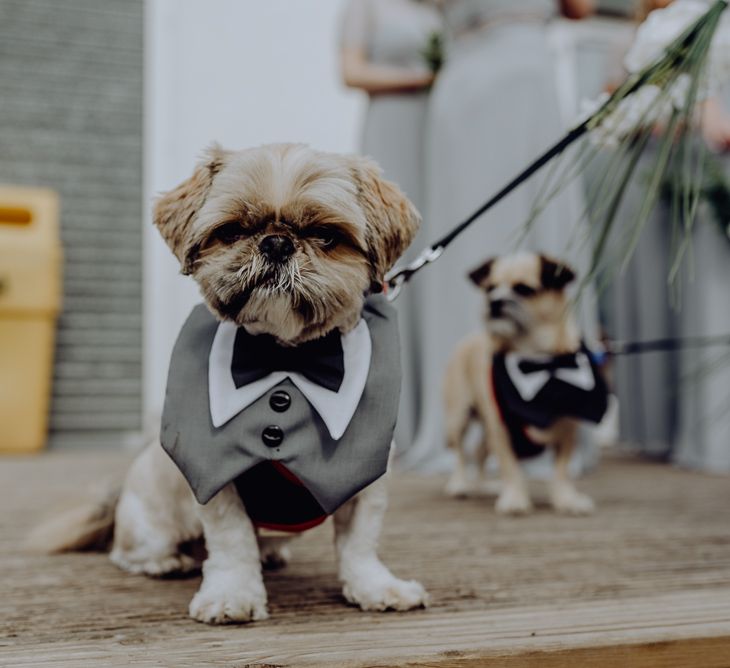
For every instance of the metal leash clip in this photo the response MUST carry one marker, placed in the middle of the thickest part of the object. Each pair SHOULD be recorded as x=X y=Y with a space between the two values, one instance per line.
x=396 y=278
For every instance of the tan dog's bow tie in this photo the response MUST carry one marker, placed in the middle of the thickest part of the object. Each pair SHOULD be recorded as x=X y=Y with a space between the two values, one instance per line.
x=530 y=374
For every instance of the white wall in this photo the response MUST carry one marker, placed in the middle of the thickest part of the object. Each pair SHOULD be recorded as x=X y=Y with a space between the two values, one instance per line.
x=247 y=72
x=240 y=72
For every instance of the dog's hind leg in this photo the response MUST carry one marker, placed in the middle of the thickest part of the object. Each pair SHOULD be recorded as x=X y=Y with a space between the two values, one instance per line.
x=274 y=551
x=154 y=516
x=367 y=582
x=460 y=482
x=459 y=413
x=485 y=486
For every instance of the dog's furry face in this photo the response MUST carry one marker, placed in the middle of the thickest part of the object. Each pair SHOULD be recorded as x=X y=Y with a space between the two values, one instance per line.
x=284 y=239
x=527 y=305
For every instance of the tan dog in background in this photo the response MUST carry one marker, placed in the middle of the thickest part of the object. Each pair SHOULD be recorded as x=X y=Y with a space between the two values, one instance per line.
x=344 y=226
x=528 y=312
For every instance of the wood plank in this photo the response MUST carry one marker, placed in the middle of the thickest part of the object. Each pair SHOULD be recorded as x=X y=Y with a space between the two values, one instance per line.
x=643 y=583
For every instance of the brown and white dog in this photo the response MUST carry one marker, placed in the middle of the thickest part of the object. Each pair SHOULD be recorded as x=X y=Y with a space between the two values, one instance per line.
x=528 y=312
x=343 y=226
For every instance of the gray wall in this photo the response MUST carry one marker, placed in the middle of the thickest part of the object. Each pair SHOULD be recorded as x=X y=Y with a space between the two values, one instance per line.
x=71 y=119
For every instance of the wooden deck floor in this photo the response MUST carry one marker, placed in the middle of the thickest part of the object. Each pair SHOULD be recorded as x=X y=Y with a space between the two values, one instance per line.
x=644 y=582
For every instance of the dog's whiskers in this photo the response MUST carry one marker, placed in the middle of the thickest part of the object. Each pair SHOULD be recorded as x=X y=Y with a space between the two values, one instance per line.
x=247 y=274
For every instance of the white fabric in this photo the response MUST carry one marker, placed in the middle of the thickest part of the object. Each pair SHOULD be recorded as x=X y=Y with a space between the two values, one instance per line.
x=335 y=408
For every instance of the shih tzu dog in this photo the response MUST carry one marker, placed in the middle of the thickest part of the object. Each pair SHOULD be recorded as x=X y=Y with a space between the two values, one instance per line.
x=283 y=388
x=528 y=379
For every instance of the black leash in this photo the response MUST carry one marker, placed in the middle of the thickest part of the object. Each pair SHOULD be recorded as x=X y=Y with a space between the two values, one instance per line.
x=613 y=348
x=398 y=277
x=610 y=348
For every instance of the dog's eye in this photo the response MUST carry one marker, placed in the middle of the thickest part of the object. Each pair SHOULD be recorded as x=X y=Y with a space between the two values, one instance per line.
x=229 y=232
x=330 y=240
x=524 y=290
x=490 y=288
x=328 y=237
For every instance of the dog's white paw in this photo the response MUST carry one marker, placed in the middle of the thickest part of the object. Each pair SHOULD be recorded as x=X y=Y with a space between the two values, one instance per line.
x=154 y=566
x=458 y=486
x=513 y=501
x=229 y=600
x=390 y=593
x=275 y=557
x=567 y=499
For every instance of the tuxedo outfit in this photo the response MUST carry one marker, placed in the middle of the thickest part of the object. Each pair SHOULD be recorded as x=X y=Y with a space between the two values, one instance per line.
x=537 y=391
x=299 y=431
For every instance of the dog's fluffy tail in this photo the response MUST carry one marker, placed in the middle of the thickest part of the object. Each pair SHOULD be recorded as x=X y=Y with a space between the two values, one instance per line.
x=87 y=526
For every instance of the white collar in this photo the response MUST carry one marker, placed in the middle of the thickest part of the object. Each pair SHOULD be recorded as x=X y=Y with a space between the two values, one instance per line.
x=335 y=408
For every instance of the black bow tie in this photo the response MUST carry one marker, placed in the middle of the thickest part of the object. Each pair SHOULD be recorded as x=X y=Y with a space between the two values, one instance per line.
x=567 y=361
x=320 y=360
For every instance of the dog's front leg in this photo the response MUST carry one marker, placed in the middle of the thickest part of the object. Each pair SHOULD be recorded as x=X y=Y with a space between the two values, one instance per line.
x=233 y=588
x=564 y=497
x=367 y=582
x=514 y=498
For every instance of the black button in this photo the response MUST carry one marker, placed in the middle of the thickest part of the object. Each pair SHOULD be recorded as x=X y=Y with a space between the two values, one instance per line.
x=280 y=401
x=272 y=436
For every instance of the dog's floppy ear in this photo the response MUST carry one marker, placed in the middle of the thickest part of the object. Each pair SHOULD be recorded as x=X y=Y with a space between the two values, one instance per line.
x=392 y=220
x=554 y=274
x=175 y=210
x=480 y=275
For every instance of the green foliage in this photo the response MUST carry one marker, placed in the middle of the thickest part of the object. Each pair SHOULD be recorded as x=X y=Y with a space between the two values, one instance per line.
x=633 y=113
x=714 y=191
x=433 y=53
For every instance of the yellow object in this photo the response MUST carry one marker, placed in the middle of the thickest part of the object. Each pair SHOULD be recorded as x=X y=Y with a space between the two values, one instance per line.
x=30 y=298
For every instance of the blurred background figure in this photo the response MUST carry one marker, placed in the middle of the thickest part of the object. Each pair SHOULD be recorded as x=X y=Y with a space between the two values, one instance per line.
x=673 y=404
x=384 y=52
x=494 y=108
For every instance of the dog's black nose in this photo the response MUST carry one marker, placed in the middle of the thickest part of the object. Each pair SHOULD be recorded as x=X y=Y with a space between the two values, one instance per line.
x=496 y=308
x=276 y=248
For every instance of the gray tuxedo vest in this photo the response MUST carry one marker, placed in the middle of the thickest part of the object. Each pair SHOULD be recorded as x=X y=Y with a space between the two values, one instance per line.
x=293 y=481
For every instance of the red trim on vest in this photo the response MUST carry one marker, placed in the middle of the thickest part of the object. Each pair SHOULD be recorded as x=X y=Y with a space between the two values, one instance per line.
x=292 y=528
x=286 y=473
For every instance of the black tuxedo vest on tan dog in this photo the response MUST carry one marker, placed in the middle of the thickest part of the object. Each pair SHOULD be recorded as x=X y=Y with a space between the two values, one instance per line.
x=295 y=449
x=537 y=391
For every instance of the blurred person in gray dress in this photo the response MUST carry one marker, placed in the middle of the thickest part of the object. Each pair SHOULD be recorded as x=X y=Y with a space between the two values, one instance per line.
x=703 y=431
x=383 y=52
x=674 y=405
x=494 y=109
